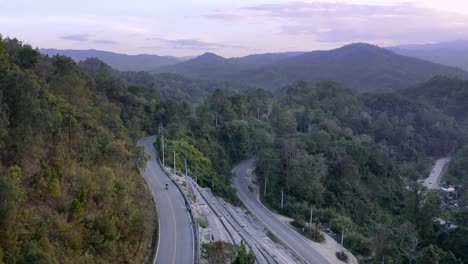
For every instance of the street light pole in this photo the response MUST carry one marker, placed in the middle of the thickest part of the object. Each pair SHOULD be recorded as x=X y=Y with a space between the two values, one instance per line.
x=282 y=197
x=310 y=222
x=174 y=161
x=342 y=237
x=162 y=146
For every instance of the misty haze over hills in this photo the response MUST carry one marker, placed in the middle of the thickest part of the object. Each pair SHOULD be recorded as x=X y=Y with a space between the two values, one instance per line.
x=453 y=53
x=360 y=66
x=122 y=62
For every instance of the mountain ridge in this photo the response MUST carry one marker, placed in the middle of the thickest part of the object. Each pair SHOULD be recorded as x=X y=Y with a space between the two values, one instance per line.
x=452 y=53
x=360 y=66
x=123 y=62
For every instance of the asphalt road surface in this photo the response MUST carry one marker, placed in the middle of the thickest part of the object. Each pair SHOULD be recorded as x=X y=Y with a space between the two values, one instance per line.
x=295 y=241
x=176 y=235
x=432 y=182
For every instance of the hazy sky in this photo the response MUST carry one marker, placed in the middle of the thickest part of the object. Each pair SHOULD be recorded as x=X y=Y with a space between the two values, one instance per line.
x=229 y=27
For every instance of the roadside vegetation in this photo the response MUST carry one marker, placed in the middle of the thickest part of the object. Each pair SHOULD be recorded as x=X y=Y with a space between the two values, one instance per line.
x=70 y=187
x=220 y=252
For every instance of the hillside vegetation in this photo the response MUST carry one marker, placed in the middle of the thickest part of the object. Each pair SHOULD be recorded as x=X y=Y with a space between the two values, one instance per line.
x=70 y=187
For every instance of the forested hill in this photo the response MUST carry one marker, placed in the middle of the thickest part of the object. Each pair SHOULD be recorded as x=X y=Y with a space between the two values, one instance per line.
x=167 y=85
x=122 y=62
x=447 y=94
x=70 y=187
x=362 y=67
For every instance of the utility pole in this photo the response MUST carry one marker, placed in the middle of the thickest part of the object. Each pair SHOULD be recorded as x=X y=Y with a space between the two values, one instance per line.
x=186 y=169
x=342 y=237
x=216 y=119
x=174 y=161
x=310 y=222
x=282 y=197
x=162 y=146
x=266 y=178
x=316 y=227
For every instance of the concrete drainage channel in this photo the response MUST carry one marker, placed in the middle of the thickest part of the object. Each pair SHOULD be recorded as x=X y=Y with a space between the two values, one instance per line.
x=229 y=219
x=231 y=223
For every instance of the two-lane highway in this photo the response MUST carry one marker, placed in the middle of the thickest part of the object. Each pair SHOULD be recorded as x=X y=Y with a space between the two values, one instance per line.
x=176 y=233
x=433 y=181
x=291 y=238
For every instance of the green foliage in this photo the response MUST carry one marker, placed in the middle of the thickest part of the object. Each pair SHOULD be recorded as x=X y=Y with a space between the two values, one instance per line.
x=76 y=206
x=70 y=187
x=458 y=168
x=433 y=255
x=244 y=257
x=455 y=241
x=8 y=218
x=218 y=252
x=35 y=254
x=358 y=244
x=54 y=186
x=341 y=255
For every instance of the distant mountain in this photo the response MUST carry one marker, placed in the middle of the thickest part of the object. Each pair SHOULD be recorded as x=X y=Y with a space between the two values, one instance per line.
x=208 y=66
x=122 y=62
x=362 y=67
x=260 y=60
x=213 y=67
x=453 y=53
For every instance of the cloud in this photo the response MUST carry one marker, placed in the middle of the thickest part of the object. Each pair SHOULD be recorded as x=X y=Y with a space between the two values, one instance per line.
x=76 y=37
x=105 y=42
x=193 y=44
x=341 y=22
x=219 y=15
x=87 y=38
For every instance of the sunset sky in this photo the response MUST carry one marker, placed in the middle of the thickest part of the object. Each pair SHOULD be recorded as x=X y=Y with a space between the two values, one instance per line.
x=229 y=27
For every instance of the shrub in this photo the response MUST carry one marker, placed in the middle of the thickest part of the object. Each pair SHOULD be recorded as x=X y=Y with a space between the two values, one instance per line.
x=358 y=244
x=342 y=256
x=298 y=223
x=338 y=223
x=326 y=215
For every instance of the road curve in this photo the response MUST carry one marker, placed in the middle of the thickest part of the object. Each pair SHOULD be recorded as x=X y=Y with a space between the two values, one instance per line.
x=295 y=241
x=433 y=181
x=176 y=235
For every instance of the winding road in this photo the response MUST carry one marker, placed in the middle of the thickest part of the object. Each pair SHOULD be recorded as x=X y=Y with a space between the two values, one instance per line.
x=433 y=181
x=176 y=233
x=295 y=241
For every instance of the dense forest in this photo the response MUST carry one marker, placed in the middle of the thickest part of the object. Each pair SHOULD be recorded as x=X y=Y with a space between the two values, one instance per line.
x=70 y=189
x=354 y=157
